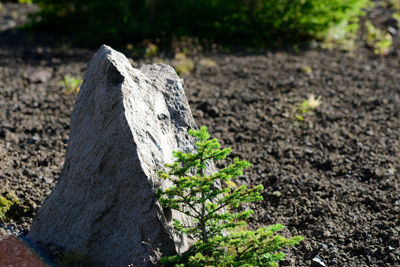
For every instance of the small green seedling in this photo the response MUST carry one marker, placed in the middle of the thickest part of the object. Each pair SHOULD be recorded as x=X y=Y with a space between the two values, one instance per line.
x=395 y=5
x=207 y=62
x=306 y=107
x=182 y=64
x=146 y=50
x=71 y=85
x=307 y=70
x=151 y=51
x=380 y=41
x=213 y=201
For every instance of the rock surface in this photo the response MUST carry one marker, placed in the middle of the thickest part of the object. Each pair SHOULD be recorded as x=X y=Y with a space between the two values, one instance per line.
x=125 y=124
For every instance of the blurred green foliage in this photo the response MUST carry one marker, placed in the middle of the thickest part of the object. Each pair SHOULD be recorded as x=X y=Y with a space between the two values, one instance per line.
x=248 y=22
x=25 y=1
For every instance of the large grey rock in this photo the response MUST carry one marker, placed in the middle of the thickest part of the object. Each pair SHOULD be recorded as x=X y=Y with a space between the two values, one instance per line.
x=125 y=124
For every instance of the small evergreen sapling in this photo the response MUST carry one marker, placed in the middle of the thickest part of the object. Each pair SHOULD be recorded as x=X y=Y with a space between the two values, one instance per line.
x=212 y=201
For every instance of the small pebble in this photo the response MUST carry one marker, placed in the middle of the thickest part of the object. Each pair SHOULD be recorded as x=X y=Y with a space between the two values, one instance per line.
x=48 y=180
x=317 y=262
x=322 y=246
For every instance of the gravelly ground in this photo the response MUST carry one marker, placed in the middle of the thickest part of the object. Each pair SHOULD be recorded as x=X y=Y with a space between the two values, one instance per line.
x=337 y=173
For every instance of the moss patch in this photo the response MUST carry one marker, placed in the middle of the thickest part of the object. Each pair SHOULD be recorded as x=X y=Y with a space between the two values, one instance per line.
x=11 y=208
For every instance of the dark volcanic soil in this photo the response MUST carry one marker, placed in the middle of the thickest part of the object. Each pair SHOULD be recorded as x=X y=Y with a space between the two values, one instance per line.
x=333 y=178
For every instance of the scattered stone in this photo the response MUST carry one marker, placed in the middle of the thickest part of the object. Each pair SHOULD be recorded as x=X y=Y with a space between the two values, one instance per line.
x=308 y=151
x=322 y=246
x=40 y=76
x=317 y=262
x=8 y=24
x=334 y=262
x=244 y=179
x=33 y=139
x=326 y=233
x=48 y=180
x=125 y=124
x=277 y=194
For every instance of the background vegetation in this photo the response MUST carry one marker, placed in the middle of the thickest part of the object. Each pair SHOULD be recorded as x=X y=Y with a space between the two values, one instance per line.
x=244 y=22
